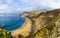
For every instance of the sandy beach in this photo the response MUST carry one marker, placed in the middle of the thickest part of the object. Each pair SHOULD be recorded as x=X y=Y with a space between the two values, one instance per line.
x=24 y=30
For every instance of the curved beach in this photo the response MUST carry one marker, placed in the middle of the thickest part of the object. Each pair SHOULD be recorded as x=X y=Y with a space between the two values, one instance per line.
x=24 y=30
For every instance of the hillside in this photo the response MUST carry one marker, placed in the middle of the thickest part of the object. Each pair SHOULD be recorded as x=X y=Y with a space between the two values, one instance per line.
x=40 y=19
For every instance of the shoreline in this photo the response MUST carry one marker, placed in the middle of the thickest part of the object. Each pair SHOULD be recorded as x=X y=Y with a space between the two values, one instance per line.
x=26 y=27
x=20 y=27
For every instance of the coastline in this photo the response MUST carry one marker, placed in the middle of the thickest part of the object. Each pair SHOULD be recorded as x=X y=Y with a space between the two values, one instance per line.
x=24 y=29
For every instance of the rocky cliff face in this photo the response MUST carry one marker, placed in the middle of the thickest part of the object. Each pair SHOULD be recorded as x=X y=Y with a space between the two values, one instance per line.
x=40 y=19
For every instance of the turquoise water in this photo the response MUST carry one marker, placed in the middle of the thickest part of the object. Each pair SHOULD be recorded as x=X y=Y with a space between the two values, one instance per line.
x=11 y=22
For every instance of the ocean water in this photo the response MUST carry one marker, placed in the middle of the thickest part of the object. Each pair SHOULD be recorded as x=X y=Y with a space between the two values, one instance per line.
x=12 y=22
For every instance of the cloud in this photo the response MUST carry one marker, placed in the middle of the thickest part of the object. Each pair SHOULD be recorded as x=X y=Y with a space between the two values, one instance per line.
x=53 y=4
x=10 y=6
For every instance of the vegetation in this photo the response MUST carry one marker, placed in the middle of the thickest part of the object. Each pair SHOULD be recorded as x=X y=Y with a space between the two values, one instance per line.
x=4 y=34
x=45 y=23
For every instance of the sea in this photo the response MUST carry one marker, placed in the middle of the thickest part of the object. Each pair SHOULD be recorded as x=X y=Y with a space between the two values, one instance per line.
x=11 y=22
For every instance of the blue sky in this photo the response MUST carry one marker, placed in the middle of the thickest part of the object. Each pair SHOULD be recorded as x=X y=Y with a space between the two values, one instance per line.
x=11 y=6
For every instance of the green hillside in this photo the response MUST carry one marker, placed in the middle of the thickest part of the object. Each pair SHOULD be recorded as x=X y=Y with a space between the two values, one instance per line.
x=4 y=33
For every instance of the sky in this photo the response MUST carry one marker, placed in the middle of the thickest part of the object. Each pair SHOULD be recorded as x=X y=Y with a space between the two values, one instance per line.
x=11 y=6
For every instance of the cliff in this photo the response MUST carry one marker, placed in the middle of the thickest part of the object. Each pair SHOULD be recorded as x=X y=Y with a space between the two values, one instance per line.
x=41 y=19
